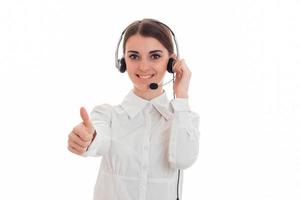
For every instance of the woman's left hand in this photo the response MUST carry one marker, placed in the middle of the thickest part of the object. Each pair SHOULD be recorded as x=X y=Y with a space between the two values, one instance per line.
x=183 y=77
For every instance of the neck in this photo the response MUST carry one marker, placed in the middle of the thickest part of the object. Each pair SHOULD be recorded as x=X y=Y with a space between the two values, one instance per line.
x=148 y=94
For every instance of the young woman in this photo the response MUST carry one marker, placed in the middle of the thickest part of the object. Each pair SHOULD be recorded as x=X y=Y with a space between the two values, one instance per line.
x=147 y=140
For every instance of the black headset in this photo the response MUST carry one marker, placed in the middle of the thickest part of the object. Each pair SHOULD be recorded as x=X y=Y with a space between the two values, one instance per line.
x=121 y=64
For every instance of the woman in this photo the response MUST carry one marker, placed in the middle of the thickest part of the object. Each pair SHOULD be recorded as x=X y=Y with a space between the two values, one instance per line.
x=147 y=140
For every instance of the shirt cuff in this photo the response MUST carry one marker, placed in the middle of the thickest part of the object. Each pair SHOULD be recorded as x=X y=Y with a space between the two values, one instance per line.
x=101 y=143
x=181 y=104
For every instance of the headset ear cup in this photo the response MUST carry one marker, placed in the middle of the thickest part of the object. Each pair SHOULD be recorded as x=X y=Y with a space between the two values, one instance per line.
x=171 y=63
x=122 y=66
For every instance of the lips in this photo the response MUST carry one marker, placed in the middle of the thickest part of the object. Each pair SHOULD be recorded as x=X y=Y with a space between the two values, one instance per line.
x=147 y=76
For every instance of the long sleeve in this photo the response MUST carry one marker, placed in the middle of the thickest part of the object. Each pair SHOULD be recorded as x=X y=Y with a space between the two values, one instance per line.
x=101 y=120
x=184 y=138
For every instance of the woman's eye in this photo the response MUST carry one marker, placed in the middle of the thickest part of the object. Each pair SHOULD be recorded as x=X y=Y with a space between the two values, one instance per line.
x=133 y=56
x=155 y=56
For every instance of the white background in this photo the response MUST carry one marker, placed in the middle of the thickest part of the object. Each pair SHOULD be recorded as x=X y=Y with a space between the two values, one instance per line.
x=56 y=56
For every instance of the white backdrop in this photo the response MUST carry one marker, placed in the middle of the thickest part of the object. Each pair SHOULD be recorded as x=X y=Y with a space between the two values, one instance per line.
x=56 y=56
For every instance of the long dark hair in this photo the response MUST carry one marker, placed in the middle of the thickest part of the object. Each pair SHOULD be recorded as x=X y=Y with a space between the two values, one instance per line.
x=150 y=28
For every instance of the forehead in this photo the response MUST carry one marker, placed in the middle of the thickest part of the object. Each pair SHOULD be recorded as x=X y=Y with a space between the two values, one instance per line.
x=142 y=43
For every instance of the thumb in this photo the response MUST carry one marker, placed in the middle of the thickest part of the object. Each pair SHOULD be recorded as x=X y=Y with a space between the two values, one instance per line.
x=85 y=118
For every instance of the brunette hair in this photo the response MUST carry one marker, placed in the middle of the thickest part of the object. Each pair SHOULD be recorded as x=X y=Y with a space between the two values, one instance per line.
x=150 y=28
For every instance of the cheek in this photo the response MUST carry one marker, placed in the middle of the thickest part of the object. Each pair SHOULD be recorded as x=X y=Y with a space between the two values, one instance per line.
x=130 y=67
x=131 y=73
x=160 y=72
x=162 y=69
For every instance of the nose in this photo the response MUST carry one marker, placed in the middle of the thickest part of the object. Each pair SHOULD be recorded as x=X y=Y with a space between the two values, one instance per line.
x=144 y=65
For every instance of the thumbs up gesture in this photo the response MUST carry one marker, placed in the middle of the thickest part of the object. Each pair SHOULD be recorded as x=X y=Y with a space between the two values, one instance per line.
x=82 y=135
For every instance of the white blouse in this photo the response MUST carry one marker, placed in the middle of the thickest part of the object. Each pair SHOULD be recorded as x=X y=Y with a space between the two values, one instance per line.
x=143 y=144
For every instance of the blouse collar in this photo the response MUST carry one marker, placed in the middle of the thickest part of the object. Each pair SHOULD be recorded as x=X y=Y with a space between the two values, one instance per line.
x=134 y=104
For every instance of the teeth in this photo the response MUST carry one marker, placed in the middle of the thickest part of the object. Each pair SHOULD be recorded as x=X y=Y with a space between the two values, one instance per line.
x=145 y=77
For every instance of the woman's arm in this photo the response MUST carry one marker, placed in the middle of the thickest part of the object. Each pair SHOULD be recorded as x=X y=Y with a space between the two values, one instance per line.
x=184 y=139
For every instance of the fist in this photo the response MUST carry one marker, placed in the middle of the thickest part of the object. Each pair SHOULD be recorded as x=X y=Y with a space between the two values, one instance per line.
x=82 y=134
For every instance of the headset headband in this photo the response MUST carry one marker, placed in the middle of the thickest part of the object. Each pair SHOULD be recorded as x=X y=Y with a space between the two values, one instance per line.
x=118 y=45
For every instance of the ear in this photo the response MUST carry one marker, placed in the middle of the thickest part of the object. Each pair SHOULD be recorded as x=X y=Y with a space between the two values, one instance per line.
x=174 y=56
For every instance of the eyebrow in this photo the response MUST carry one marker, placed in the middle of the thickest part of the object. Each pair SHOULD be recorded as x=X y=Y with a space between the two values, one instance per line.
x=131 y=51
x=154 y=51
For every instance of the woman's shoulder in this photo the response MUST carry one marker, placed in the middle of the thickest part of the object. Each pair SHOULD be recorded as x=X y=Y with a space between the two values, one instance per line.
x=104 y=109
x=103 y=106
x=108 y=108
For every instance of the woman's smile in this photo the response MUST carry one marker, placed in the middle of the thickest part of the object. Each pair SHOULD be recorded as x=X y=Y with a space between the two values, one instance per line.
x=148 y=76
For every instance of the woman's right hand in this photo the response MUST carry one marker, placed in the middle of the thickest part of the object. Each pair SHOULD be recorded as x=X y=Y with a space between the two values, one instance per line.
x=82 y=134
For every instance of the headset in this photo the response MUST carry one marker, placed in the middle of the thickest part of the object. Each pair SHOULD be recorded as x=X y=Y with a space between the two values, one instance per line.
x=121 y=66
x=120 y=63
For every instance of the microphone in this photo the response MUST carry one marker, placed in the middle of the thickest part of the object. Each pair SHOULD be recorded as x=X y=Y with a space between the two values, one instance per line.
x=154 y=86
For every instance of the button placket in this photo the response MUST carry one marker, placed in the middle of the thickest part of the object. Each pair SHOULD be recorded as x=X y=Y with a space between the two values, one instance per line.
x=145 y=157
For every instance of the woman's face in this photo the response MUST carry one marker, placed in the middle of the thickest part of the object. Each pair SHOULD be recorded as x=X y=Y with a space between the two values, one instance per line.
x=146 y=61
